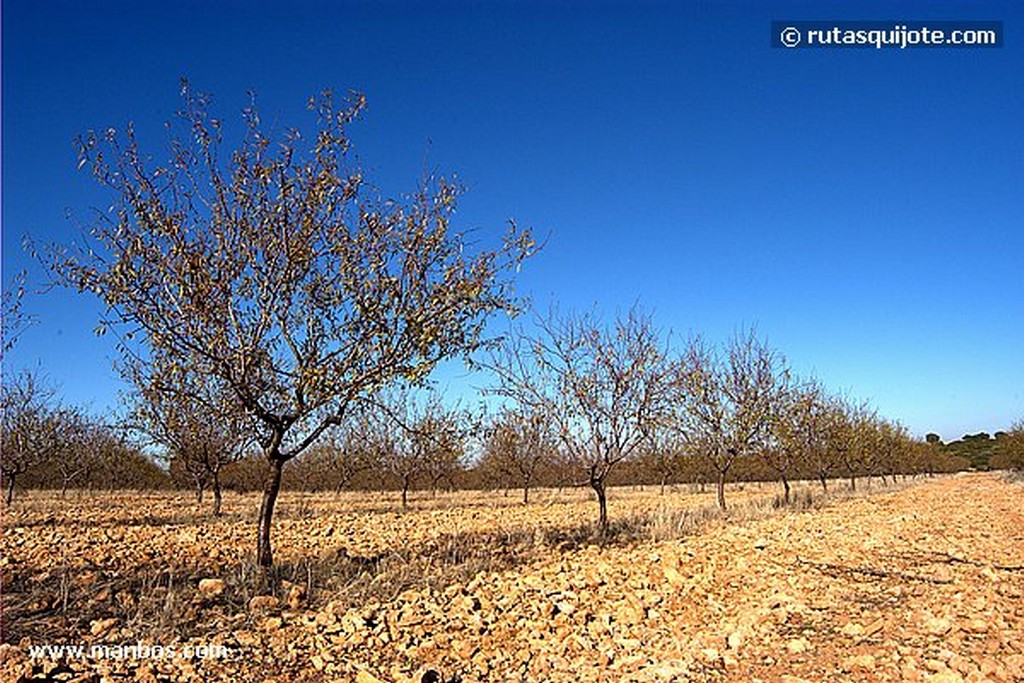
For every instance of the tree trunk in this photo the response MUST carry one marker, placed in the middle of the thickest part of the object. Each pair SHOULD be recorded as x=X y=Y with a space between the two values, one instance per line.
x=216 y=495
x=602 y=500
x=785 y=486
x=405 y=492
x=200 y=488
x=721 y=490
x=342 y=483
x=526 y=492
x=10 y=489
x=853 y=482
x=664 y=479
x=264 y=555
x=824 y=483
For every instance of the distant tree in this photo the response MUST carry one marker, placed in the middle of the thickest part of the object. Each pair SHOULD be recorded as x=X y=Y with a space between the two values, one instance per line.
x=517 y=445
x=800 y=435
x=338 y=459
x=602 y=388
x=193 y=417
x=36 y=430
x=275 y=270
x=79 y=460
x=188 y=473
x=828 y=422
x=693 y=465
x=977 y=448
x=857 y=440
x=122 y=463
x=446 y=449
x=412 y=434
x=893 y=444
x=728 y=404
x=661 y=457
x=248 y=474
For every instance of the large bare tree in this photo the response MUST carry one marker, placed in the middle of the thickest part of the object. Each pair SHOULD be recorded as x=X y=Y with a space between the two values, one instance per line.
x=602 y=388
x=276 y=269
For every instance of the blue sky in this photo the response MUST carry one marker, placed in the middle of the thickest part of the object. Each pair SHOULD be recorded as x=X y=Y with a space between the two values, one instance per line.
x=864 y=209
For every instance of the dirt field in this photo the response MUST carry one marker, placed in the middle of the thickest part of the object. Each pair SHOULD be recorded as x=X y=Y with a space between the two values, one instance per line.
x=925 y=583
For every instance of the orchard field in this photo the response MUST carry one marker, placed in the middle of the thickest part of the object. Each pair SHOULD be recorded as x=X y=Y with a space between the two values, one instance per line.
x=918 y=582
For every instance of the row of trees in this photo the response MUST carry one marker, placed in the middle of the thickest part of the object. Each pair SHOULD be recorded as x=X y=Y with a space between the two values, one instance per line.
x=611 y=394
x=49 y=445
x=421 y=444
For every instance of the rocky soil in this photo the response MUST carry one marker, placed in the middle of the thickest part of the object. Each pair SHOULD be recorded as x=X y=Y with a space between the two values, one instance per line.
x=920 y=584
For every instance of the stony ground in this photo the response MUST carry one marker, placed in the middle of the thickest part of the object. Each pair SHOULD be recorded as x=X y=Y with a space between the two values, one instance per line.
x=920 y=584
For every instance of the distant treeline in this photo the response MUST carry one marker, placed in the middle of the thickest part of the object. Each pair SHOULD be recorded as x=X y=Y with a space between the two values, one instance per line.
x=981 y=450
x=105 y=460
x=112 y=463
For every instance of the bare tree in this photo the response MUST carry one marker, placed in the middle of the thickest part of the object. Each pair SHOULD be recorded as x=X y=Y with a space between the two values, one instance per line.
x=444 y=456
x=36 y=430
x=799 y=434
x=888 y=449
x=344 y=453
x=701 y=403
x=194 y=417
x=80 y=458
x=859 y=436
x=517 y=445
x=832 y=427
x=185 y=472
x=121 y=463
x=410 y=432
x=663 y=456
x=277 y=270
x=727 y=404
x=602 y=388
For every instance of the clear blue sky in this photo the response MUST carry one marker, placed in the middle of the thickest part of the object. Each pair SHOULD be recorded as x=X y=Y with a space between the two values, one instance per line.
x=865 y=209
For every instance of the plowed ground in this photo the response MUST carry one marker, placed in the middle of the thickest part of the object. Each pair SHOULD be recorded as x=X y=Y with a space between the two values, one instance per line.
x=925 y=583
